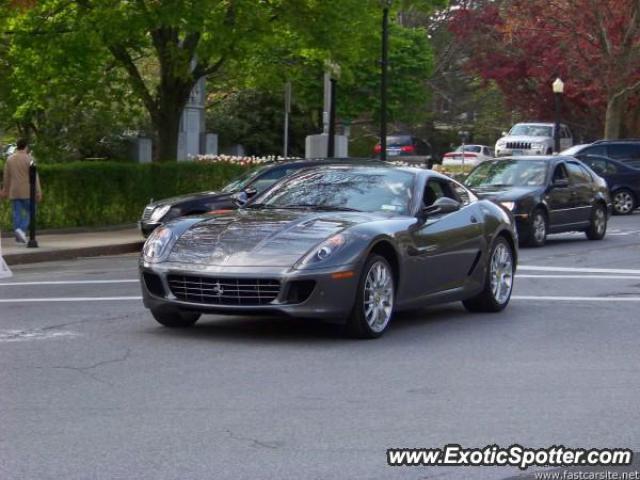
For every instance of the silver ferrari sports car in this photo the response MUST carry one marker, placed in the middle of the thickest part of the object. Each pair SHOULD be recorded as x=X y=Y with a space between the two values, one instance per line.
x=349 y=244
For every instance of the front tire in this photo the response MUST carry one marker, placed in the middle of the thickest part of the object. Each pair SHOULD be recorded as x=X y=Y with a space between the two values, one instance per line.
x=175 y=318
x=624 y=203
x=537 y=234
x=598 y=227
x=375 y=297
x=498 y=283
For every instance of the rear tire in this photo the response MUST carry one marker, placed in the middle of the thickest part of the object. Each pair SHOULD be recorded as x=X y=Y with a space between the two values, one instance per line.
x=537 y=232
x=375 y=298
x=624 y=202
x=498 y=283
x=175 y=318
x=598 y=227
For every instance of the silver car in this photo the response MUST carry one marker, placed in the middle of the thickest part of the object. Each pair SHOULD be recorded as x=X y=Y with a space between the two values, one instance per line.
x=532 y=139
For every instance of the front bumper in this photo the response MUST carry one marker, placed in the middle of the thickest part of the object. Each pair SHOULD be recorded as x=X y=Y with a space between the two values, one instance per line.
x=330 y=299
x=510 y=152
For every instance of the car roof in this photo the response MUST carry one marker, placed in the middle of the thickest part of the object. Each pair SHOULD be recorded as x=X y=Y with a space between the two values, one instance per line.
x=617 y=140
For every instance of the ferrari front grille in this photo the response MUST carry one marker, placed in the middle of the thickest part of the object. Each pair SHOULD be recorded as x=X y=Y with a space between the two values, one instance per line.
x=247 y=292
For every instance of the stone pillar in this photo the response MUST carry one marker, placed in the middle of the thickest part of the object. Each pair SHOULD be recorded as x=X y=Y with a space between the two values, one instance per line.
x=192 y=123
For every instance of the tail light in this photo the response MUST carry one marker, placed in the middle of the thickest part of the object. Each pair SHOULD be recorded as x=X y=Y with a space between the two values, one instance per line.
x=408 y=149
x=377 y=149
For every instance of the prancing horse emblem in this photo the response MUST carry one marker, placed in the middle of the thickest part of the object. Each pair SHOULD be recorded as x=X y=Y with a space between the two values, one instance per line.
x=218 y=290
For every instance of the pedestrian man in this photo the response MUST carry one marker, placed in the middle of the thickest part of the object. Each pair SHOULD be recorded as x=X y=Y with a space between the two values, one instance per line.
x=16 y=188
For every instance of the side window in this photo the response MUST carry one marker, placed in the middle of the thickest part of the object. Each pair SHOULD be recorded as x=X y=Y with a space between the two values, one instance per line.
x=577 y=174
x=560 y=173
x=437 y=188
x=432 y=192
x=567 y=132
x=625 y=151
x=611 y=168
x=462 y=194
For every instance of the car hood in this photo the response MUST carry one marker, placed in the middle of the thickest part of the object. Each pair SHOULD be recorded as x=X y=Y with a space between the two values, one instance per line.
x=507 y=194
x=260 y=238
x=212 y=196
x=524 y=138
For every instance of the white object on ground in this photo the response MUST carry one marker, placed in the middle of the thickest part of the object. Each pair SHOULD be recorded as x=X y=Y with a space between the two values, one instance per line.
x=5 y=271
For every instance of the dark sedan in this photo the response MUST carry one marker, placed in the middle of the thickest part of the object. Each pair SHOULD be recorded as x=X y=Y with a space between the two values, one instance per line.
x=546 y=195
x=253 y=182
x=349 y=244
x=622 y=179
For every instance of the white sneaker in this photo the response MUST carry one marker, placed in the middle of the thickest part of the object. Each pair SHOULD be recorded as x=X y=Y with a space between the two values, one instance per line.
x=20 y=236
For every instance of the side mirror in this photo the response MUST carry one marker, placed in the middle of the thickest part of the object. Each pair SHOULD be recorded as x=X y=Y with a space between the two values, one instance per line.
x=441 y=206
x=561 y=183
x=240 y=199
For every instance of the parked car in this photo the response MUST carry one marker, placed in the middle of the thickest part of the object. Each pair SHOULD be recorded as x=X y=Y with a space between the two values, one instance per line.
x=348 y=244
x=473 y=155
x=548 y=194
x=622 y=179
x=532 y=139
x=251 y=183
x=406 y=146
x=626 y=150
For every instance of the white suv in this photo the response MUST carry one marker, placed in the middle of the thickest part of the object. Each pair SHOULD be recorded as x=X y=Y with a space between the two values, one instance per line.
x=532 y=139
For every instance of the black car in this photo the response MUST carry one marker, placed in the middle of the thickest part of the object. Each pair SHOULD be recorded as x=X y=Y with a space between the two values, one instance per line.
x=349 y=244
x=624 y=150
x=622 y=179
x=407 y=148
x=546 y=194
x=251 y=183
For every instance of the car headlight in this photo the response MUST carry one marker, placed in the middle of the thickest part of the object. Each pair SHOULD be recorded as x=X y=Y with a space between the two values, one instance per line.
x=157 y=244
x=159 y=212
x=324 y=250
x=508 y=205
x=501 y=143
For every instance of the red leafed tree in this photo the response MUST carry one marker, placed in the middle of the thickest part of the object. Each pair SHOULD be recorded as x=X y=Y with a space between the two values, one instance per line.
x=593 y=45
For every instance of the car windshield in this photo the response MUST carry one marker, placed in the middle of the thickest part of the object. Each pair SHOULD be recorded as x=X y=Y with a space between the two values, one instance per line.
x=245 y=179
x=398 y=140
x=571 y=151
x=508 y=173
x=531 y=130
x=470 y=148
x=361 y=189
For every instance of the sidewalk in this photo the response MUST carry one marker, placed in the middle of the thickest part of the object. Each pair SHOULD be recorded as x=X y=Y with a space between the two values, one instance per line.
x=65 y=246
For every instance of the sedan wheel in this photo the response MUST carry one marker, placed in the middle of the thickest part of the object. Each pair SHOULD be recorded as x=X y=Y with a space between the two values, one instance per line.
x=498 y=281
x=623 y=202
x=537 y=235
x=598 y=227
x=374 y=302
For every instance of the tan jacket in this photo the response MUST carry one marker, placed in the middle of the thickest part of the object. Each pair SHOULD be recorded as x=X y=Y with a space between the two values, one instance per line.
x=16 y=176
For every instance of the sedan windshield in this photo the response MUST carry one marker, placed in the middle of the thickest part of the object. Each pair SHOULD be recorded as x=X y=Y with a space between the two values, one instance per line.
x=531 y=130
x=470 y=148
x=508 y=173
x=361 y=189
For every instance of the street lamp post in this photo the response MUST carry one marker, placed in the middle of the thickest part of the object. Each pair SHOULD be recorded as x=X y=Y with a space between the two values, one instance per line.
x=386 y=5
x=558 y=90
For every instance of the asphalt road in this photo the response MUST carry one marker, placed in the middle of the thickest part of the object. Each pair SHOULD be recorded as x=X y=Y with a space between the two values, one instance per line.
x=92 y=388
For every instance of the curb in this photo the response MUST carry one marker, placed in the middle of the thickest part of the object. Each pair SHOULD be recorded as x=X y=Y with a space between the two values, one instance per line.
x=72 y=253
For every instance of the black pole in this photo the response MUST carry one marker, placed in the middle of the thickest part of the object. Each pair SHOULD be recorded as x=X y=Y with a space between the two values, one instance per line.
x=33 y=172
x=556 y=130
x=331 y=145
x=383 y=83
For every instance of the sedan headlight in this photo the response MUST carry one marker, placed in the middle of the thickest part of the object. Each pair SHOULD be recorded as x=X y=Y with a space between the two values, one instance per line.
x=508 y=205
x=157 y=245
x=501 y=143
x=159 y=212
x=324 y=250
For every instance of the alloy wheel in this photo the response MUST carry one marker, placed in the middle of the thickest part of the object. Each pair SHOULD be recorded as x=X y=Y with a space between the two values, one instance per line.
x=539 y=228
x=623 y=202
x=501 y=273
x=378 y=296
x=599 y=221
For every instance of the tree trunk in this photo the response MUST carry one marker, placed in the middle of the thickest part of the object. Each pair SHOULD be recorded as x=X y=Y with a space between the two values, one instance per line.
x=172 y=99
x=613 y=118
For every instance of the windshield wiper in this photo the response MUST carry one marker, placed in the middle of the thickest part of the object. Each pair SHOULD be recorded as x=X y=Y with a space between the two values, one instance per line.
x=327 y=208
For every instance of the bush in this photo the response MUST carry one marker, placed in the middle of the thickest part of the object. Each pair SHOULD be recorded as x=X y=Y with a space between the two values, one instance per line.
x=88 y=194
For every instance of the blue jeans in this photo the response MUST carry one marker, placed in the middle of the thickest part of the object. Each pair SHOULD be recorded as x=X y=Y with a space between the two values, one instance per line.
x=21 y=213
